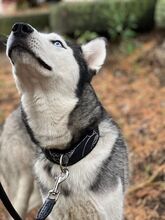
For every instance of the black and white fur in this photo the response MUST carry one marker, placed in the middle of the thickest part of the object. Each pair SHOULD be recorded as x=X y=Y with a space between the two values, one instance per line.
x=59 y=105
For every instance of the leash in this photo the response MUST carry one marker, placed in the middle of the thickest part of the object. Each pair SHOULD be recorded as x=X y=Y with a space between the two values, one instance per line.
x=53 y=194
x=8 y=205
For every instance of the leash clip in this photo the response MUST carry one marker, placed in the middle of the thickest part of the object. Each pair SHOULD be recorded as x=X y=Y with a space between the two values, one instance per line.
x=53 y=194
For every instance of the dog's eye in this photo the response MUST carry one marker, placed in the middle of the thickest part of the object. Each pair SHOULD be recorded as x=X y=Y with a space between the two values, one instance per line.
x=57 y=43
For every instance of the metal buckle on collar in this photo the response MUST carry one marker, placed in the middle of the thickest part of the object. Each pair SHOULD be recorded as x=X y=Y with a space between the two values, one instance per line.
x=53 y=194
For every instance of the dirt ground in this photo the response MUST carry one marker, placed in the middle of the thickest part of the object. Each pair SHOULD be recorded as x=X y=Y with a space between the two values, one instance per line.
x=132 y=88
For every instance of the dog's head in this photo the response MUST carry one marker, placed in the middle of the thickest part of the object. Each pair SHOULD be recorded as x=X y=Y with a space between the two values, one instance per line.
x=43 y=57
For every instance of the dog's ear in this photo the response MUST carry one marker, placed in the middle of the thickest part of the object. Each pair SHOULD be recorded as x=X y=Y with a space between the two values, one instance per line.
x=94 y=53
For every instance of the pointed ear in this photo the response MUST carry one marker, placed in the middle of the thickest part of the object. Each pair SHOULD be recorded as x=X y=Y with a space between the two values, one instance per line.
x=94 y=53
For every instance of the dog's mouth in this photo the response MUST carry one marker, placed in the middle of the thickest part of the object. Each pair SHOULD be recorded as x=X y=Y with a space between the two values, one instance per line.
x=23 y=48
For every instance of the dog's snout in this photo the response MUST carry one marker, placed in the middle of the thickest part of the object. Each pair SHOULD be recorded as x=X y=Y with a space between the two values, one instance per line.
x=22 y=29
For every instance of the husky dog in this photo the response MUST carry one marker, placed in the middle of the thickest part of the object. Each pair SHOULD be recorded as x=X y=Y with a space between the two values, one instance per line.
x=59 y=110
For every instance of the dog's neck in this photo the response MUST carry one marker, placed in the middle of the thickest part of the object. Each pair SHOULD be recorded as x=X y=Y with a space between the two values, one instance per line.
x=55 y=114
x=47 y=111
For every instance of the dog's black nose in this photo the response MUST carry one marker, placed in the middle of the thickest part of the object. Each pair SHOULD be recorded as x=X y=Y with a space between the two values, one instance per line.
x=22 y=29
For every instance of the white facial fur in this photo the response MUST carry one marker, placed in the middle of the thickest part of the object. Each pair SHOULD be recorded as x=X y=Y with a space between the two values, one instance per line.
x=61 y=60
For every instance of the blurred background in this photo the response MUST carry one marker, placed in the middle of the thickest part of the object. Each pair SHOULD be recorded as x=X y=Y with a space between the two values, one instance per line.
x=130 y=86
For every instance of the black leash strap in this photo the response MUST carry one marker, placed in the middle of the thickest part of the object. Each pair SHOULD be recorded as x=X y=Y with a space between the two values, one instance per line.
x=8 y=205
x=46 y=209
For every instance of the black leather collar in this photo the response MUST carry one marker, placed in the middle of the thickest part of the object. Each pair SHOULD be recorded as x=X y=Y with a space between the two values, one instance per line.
x=76 y=153
x=72 y=155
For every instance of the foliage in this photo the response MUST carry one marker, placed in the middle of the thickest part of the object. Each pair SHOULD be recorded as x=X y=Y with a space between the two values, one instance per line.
x=160 y=14
x=85 y=37
x=39 y=20
x=115 y=18
x=111 y=18
x=127 y=46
